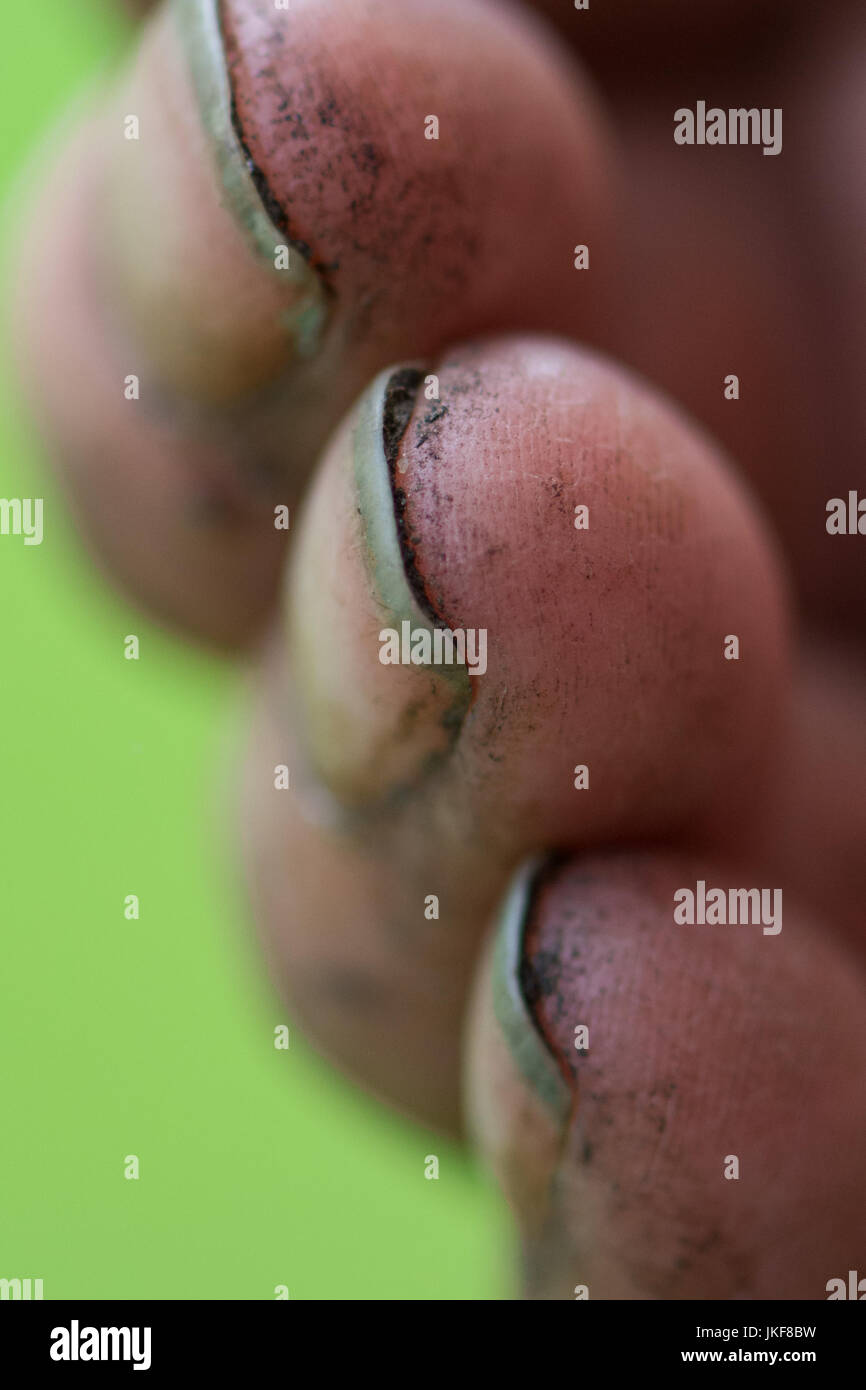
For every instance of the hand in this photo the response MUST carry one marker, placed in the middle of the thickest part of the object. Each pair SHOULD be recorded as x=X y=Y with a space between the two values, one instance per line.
x=333 y=258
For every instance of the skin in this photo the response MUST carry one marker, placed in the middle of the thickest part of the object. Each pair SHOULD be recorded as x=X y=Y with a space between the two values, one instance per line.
x=409 y=811
x=233 y=410
x=605 y=645
x=793 y=279
x=704 y=1042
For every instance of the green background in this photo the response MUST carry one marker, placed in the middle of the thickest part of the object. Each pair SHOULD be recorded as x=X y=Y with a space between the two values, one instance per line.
x=155 y=1037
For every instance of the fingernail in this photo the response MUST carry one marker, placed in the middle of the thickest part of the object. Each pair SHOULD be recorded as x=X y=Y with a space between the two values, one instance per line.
x=512 y=1010
x=374 y=729
x=518 y=1103
x=194 y=264
x=253 y=202
x=389 y=545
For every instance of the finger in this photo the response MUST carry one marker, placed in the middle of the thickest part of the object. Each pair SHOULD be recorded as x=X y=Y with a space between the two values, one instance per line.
x=675 y=1111
x=810 y=829
x=733 y=320
x=607 y=708
x=830 y=162
x=278 y=228
x=646 y=42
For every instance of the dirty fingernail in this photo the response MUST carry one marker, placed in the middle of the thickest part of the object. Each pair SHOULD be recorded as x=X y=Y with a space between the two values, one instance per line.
x=377 y=708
